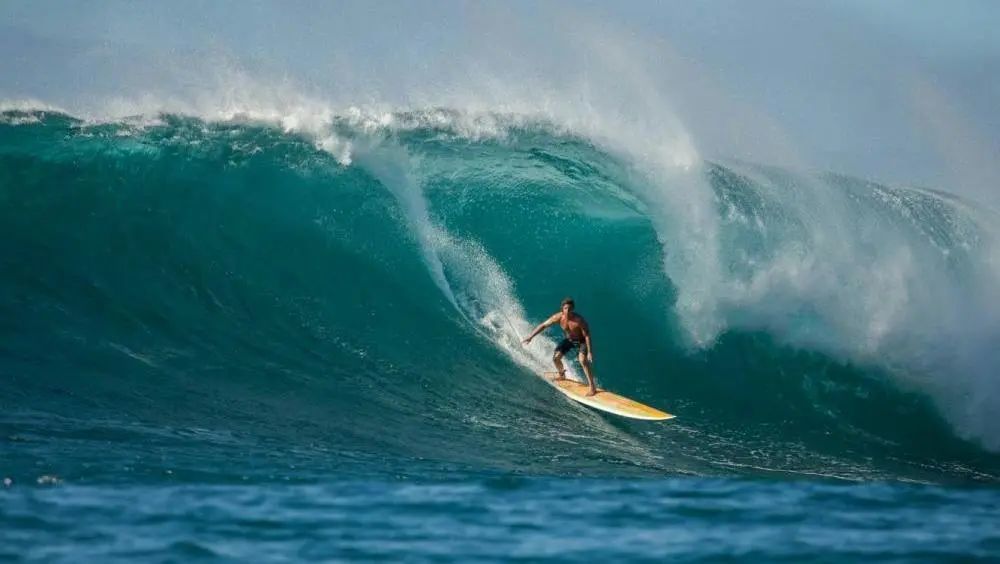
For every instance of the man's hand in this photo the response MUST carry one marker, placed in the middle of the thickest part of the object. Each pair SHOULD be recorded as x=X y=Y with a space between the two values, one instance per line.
x=590 y=357
x=526 y=341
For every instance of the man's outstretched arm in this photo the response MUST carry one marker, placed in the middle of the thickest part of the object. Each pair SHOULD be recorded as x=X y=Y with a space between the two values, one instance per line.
x=542 y=326
x=590 y=346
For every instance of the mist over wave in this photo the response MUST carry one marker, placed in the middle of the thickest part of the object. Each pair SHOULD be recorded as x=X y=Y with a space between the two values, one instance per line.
x=361 y=280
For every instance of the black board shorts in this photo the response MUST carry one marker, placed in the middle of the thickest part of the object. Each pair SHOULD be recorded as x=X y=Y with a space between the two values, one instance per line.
x=569 y=344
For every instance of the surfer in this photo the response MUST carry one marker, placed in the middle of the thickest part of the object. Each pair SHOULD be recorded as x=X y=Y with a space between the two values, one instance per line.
x=577 y=337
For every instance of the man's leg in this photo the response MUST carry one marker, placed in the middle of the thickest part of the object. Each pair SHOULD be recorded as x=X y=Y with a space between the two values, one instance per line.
x=586 y=370
x=557 y=360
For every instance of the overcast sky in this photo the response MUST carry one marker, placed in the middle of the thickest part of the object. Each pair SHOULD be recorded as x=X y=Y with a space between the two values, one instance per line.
x=902 y=91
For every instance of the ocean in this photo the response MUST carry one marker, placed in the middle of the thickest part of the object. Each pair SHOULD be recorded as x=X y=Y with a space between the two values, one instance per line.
x=246 y=339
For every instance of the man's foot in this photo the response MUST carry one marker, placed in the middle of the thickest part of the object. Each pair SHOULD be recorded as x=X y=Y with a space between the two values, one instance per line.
x=560 y=375
x=592 y=392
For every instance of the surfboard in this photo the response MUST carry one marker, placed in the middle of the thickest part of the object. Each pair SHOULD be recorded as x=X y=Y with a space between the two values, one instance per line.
x=605 y=400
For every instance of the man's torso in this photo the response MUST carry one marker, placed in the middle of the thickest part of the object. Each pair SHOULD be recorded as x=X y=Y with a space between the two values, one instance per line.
x=573 y=325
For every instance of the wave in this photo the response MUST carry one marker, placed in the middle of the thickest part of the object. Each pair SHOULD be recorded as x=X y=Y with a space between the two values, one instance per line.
x=362 y=280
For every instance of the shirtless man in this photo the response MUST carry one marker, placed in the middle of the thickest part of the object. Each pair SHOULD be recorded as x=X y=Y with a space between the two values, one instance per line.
x=577 y=336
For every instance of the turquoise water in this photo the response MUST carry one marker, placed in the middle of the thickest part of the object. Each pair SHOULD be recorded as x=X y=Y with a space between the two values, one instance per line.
x=222 y=339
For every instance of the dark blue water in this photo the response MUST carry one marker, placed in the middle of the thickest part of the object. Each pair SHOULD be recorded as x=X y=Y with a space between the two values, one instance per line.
x=222 y=340
x=505 y=518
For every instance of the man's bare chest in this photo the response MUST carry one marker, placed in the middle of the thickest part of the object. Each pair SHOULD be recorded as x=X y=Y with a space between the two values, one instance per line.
x=571 y=326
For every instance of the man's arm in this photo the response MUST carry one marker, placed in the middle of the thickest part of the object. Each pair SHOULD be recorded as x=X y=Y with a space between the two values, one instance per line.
x=542 y=326
x=590 y=347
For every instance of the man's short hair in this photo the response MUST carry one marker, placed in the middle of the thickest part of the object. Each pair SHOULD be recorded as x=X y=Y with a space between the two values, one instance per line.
x=568 y=301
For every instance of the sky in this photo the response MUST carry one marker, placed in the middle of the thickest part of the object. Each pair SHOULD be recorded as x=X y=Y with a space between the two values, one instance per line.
x=899 y=91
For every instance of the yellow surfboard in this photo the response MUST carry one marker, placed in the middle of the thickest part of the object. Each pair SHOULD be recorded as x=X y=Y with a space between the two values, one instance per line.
x=605 y=400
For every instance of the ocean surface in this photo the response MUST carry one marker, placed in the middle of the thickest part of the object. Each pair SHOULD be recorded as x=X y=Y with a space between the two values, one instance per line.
x=253 y=340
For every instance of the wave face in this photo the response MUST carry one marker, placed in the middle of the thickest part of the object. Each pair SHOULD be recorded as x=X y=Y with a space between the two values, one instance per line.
x=353 y=297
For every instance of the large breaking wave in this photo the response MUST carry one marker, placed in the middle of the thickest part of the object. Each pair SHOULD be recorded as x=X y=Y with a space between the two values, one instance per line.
x=359 y=283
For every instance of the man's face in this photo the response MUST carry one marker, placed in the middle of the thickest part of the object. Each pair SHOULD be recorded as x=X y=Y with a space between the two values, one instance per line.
x=567 y=309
